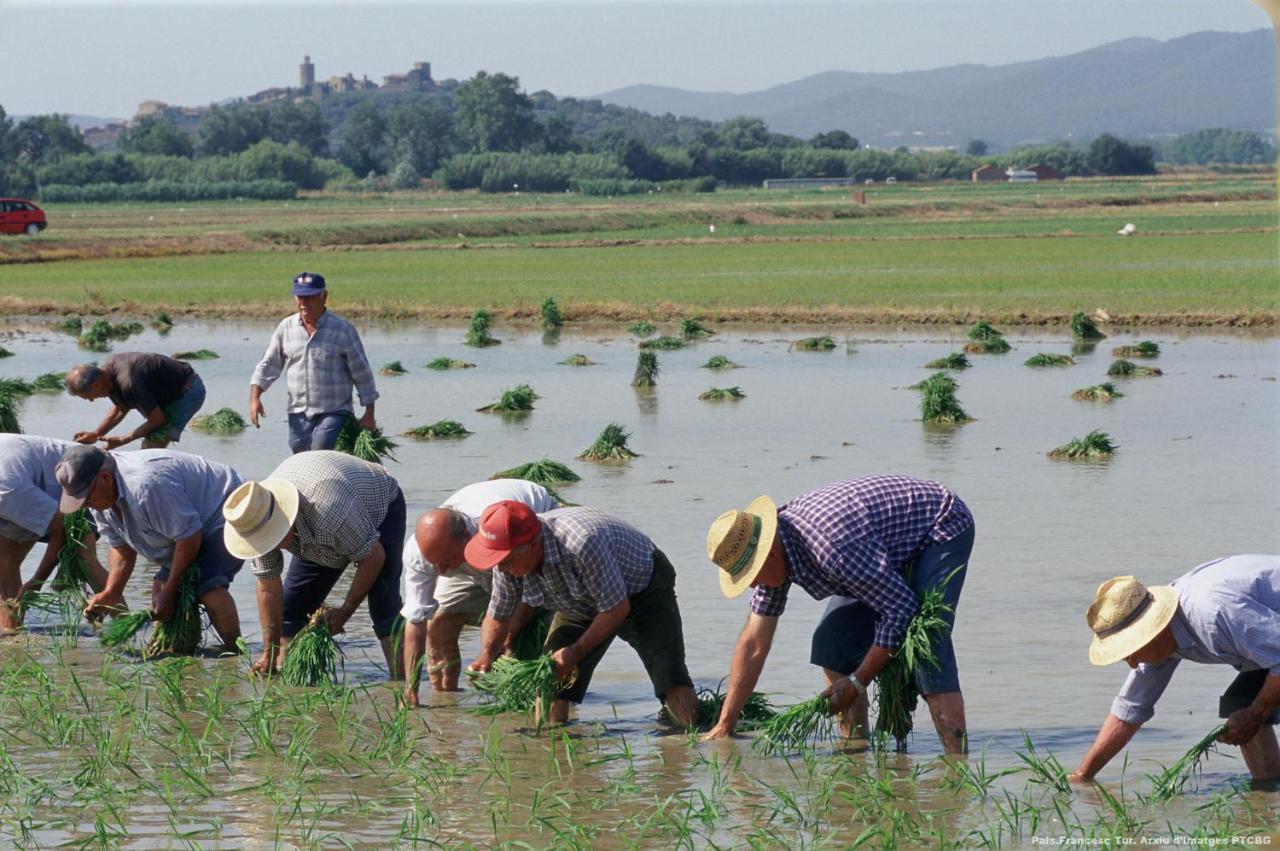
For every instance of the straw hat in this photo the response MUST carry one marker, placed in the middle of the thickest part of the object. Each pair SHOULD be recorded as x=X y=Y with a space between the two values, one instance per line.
x=739 y=542
x=258 y=515
x=1126 y=615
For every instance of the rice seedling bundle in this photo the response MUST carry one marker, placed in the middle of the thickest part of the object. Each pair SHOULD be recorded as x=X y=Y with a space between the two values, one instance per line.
x=97 y=338
x=181 y=634
x=15 y=387
x=755 y=711
x=518 y=398
x=665 y=344
x=717 y=394
x=544 y=472
x=814 y=344
x=646 y=374
x=442 y=362
x=1144 y=349
x=123 y=627
x=1173 y=779
x=72 y=572
x=938 y=402
x=643 y=328
x=551 y=315
x=438 y=430
x=692 y=329
x=611 y=445
x=72 y=326
x=984 y=330
x=197 y=354
x=938 y=379
x=720 y=362
x=896 y=690
x=223 y=421
x=367 y=444
x=50 y=382
x=5 y=353
x=514 y=685
x=393 y=368
x=125 y=330
x=1124 y=367
x=527 y=644
x=955 y=360
x=1095 y=444
x=162 y=322
x=1104 y=392
x=995 y=346
x=9 y=408
x=577 y=360
x=1082 y=328
x=311 y=658
x=478 y=333
x=795 y=726
x=1042 y=360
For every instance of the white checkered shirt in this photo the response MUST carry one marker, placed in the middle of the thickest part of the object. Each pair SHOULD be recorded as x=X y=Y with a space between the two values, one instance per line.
x=322 y=368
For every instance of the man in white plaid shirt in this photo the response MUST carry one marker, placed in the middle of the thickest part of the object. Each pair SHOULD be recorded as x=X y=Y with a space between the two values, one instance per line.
x=324 y=358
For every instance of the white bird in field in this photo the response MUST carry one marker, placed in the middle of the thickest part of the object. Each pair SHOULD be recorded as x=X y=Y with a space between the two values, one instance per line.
x=1127 y=230
x=713 y=228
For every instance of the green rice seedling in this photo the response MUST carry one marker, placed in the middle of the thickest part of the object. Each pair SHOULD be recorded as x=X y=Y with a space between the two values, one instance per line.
x=5 y=353
x=438 y=430
x=442 y=363
x=1042 y=360
x=1144 y=349
x=72 y=572
x=1095 y=444
x=162 y=322
x=718 y=394
x=993 y=346
x=123 y=627
x=1082 y=328
x=755 y=712
x=955 y=360
x=938 y=402
x=367 y=444
x=49 y=382
x=16 y=387
x=577 y=360
x=646 y=374
x=478 y=333
x=197 y=354
x=527 y=644
x=896 y=690
x=125 y=330
x=10 y=406
x=518 y=398
x=611 y=445
x=643 y=328
x=795 y=726
x=513 y=685
x=311 y=659
x=223 y=421
x=181 y=634
x=984 y=330
x=1174 y=778
x=97 y=338
x=1104 y=392
x=692 y=329
x=1047 y=770
x=721 y=362
x=393 y=368
x=1125 y=367
x=814 y=344
x=551 y=315
x=664 y=344
x=72 y=325
x=544 y=472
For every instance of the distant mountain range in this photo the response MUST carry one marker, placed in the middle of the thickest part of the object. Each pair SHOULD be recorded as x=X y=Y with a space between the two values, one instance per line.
x=1134 y=88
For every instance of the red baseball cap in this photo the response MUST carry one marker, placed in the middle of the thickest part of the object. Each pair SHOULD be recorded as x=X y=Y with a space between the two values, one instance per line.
x=503 y=527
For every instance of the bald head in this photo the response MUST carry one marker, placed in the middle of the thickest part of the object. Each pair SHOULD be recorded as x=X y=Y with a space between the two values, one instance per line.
x=88 y=381
x=442 y=536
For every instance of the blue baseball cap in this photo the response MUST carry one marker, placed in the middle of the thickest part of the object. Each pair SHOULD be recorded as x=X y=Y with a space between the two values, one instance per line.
x=308 y=283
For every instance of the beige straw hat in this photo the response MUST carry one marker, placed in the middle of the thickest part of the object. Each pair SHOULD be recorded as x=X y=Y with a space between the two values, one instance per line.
x=739 y=542
x=1126 y=615
x=258 y=515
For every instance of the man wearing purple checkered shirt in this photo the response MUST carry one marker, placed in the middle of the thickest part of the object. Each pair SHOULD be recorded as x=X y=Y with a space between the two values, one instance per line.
x=873 y=545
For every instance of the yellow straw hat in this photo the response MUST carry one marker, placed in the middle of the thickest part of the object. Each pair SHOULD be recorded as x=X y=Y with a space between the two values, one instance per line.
x=739 y=542
x=1126 y=615
x=258 y=515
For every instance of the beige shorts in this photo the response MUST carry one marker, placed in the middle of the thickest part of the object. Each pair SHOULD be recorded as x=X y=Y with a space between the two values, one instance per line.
x=465 y=591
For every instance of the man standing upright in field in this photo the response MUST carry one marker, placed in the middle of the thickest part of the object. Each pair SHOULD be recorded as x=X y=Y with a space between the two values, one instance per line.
x=324 y=357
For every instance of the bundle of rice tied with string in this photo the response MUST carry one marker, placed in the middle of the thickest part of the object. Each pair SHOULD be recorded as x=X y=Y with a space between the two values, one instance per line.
x=1173 y=779
x=311 y=659
x=367 y=444
x=515 y=685
x=518 y=398
x=10 y=405
x=984 y=338
x=796 y=726
x=646 y=374
x=72 y=573
x=896 y=690
x=611 y=445
x=755 y=712
x=181 y=634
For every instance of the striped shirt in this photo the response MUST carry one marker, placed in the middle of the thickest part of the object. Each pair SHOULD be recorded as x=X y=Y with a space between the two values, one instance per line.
x=591 y=562
x=856 y=538
x=341 y=503
x=322 y=367
x=29 y=493
x=1228 y=614
x=164 y=496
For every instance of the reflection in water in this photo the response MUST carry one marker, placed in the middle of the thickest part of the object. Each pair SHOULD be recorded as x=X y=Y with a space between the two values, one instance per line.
x=647 y=401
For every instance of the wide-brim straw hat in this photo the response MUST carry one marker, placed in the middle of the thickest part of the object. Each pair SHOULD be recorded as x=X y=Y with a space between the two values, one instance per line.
x=1126 y=615
x=739 y=542
x=258 y=515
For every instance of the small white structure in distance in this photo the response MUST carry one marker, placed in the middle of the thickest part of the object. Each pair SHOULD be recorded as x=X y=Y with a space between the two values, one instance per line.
x=713 y=228
x=1127 y=230
x=1021 y=175
x=891 y=179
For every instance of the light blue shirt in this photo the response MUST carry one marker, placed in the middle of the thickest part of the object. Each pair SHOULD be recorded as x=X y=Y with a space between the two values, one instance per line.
x=322 y=368
x=1228 y=614
x=29 y=493
x=164 y=496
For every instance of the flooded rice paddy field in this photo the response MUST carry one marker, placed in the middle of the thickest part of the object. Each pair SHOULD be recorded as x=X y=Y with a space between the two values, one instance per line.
x=100 y=749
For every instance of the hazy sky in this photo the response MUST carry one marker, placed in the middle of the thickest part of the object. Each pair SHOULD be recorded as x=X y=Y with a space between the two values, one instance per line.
x=103 y=57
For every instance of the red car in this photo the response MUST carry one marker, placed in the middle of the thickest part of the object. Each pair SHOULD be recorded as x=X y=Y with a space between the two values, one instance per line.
x=19 y=216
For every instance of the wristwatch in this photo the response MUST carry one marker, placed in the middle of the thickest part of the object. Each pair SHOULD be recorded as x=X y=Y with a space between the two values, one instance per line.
x=857 y=684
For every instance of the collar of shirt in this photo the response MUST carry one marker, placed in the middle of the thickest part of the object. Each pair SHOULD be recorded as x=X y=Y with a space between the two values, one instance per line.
x=1189 y=644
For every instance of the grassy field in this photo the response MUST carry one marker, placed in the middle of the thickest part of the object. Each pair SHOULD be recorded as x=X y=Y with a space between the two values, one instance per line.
x=1205 y=252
